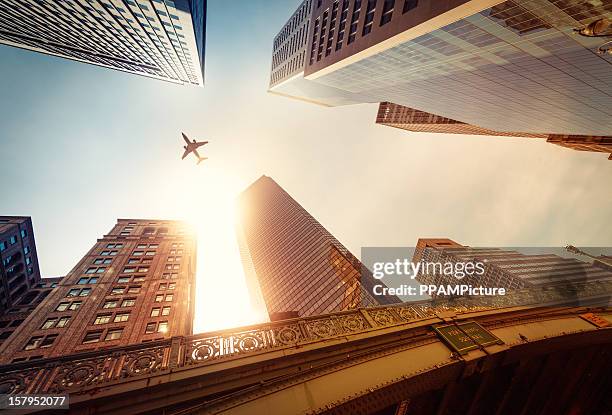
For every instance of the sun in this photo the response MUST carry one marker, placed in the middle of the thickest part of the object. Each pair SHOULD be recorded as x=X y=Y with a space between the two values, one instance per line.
x=222 y=298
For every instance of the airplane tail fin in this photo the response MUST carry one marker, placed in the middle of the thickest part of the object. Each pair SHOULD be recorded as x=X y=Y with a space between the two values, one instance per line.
x=201 y=159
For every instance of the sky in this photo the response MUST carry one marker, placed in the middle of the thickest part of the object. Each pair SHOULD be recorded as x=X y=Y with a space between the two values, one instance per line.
x=81 y=146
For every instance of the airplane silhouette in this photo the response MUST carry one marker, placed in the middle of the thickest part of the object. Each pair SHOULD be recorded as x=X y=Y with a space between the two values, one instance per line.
x=192 y=147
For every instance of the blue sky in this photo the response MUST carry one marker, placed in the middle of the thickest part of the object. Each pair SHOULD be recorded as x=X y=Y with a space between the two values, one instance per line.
x=81 y=146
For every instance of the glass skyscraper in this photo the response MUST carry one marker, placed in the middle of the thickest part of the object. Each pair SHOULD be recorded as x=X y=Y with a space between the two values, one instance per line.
x=302 y=270
x=504 y=66
x=163 y=39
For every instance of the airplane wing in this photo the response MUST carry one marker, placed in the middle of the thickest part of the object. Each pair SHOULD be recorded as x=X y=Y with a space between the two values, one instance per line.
x=196 y=153
x=185 y=138
x=185 y=154
x=201 y=144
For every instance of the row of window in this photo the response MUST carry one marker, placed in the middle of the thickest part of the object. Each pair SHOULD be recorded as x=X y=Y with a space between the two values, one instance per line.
x=42 y=342
x=12 y=241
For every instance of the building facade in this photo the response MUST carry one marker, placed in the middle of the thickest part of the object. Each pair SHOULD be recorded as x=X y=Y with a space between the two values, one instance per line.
x=136 y=284
x=302 y=270
x=158 y=39
x=505 y=268
x=12 y=318
x=19 y=271
x=410 y=119
x=504 y=66
x=289 y=48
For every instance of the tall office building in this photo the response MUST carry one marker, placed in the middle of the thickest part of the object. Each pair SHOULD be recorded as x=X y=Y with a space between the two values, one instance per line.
x=301 y=268
x=159 y=39
x=410 y=119
x=19 y=271
x=504 y=268
x=504 y=66
x=136 y=284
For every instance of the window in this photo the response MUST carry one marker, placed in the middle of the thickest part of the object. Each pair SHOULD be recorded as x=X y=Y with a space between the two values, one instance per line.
x=162 y=327
x=33 y=343
x=62 y=322
x=79 y=292
x=159 y=298
x=128 y=302
x=163 y=286
x=137 y=253
x=40 y=342
x=117 y=290
x=165 y=311
x=48 y=341
x=13 y=240
x=128 y=270
x=105 y=261
x=26 y=250
x=141 y=246
x=153 y=246
x=143 y=269
x=169 y=297
x=151 y=328
x=108 y=253
x=133 y=261
x=2 y=246
x=155 y=312
x=171 y=286
x=138 y=279
x=102 y=319
x=369 y=17
x=62 y=307
x=23 y=233
x=387 y=12
x=123 y=280
x=92 y=337
x=121 y=317
x=110 y=304
x=74 y=305
x=133 y=290
x=409 y=5
x=150 y=253
x=117 y=246
x=49 y=323
x=91 y=270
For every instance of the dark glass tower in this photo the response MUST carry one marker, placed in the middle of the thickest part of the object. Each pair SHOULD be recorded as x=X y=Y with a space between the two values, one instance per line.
x=301 y=268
